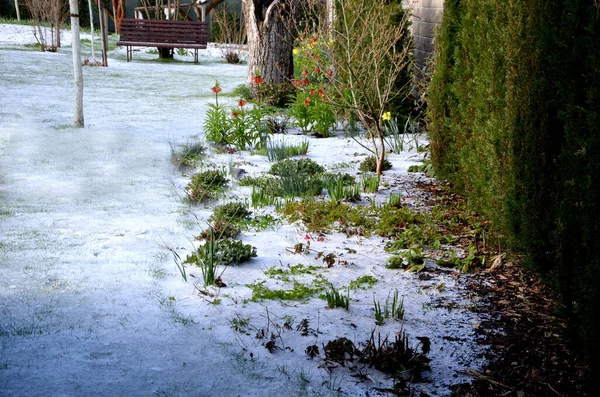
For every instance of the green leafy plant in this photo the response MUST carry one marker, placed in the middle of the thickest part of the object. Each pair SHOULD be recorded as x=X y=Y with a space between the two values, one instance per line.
x=233 y=212
x=220 y=229
x=216 y=125
x=280 y=150
x=205 y=257
x=187 y=155
x=296 y=166
x=392 y=309
x=205 y=185
x=339 y=192
x=370 y=182
x=335 y=299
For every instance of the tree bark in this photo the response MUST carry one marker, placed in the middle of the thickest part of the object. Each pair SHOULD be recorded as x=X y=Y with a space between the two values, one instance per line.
x=77 y=69
x=270 y=40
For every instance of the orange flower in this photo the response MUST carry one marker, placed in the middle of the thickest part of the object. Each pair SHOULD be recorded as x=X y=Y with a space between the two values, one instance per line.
x=313 y=40
x=316 y=71
x=307 y=102
x=242 y=103
x=305 y=72
x=305 y=81
x=216 y=89
x=313 y=92
x=234 y=114
x=257 y=80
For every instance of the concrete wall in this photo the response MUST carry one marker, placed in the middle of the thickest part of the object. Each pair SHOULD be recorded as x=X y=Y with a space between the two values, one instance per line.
x=427 y=14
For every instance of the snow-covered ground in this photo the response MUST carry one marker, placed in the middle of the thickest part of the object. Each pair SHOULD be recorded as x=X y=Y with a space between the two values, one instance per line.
x=91 y=302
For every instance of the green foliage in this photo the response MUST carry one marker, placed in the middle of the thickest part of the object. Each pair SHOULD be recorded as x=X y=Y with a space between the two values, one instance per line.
x=367 y=280
x=517 y=130
x=187 y=155
x=220 y=229
x=280 y=150
x=205 y=185
x=339 y=192
x=241 y=91
x=369 y=164
x=298 y=292
x=222 y=252
x=234 y=212
x=216 y=125
x=205 y=257
x=305 y=167
x=370 y=182
x=391 y=309
x=335 y=299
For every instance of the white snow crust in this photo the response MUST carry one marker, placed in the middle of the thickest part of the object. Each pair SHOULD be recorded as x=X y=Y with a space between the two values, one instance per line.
x=91 y=302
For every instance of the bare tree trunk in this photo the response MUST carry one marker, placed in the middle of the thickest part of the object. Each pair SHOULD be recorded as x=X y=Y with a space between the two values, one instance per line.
x=270 y=40
x=92 y=27
x=77 y=69
x=17 y=8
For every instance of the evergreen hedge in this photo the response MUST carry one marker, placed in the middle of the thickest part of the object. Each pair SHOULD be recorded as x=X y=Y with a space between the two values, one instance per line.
x=514 y=121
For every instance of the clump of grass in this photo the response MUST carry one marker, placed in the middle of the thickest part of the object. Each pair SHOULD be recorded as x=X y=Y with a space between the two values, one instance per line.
x=392 y=309
x=206 y=259
x=205 y=185
x=370 y=182
x=335 y=299
x=281 y=150
x=262 y=198
x=370 y=165
x=337 y=191
x=187 y=155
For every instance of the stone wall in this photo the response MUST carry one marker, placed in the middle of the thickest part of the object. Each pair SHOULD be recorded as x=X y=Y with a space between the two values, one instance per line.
x=427 y=14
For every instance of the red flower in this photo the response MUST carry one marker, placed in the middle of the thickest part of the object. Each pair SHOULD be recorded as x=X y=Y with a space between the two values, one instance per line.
x=216 y=89
x=316 y=71
x=242 y=103
x=307 y=102
x=320 y=239
x=257 y=80
x=313 y=92
x=313 y=40
x=234 y=114
x=321 y=92
x=305 y=81
x=329 y=74
x=305 y=72
x=306 y=237
x=296 y=83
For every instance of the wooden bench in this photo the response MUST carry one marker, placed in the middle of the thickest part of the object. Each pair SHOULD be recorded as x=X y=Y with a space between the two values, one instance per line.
x=163 y=34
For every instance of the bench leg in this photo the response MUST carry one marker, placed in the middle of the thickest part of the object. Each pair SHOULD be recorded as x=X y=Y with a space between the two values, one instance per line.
x=129 y=53
x=195 y=55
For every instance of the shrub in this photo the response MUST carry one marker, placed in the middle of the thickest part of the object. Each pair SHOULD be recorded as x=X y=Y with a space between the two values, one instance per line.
x=220 y=229
x=288 y=167
x=216 y=125
x=225 y=252
x=370 y=165
x=205 y=185
x=517 y=131
x=187 y=155
x=232 y=212
x=280 y=150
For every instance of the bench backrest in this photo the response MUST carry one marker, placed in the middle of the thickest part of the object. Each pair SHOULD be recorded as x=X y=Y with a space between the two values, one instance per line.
x=142 y=31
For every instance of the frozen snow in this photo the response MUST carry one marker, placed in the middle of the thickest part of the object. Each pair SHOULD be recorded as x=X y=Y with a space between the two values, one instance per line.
x=91 y=300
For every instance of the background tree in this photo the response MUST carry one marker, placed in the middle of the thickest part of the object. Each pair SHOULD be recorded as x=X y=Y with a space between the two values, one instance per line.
x=48 y=16
x=364 y=53
x=270 y=40
x=77 y=70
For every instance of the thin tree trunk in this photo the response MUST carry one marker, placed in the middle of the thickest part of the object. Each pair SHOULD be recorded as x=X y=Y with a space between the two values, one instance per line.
x=270 y=41
x=92 y=28
x=17 y=8
x=77 y=69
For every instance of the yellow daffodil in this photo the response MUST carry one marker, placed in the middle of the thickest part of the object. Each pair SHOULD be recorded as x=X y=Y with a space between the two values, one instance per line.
x=387 y=116
x=296 y=51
